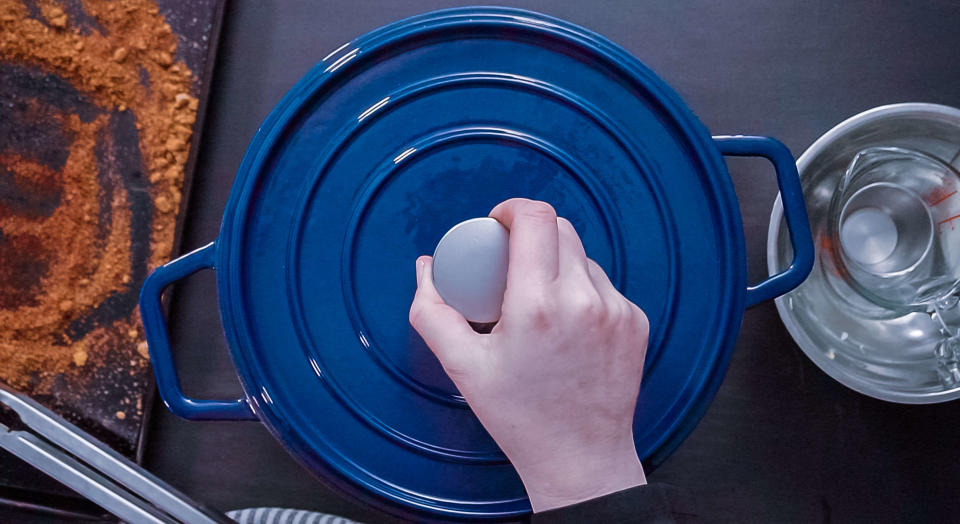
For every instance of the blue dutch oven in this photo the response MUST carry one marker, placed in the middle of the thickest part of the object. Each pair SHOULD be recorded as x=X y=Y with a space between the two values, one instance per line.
x=392 y=139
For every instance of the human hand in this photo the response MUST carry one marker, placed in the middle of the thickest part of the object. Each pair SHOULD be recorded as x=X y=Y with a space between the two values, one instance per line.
x=555 y=382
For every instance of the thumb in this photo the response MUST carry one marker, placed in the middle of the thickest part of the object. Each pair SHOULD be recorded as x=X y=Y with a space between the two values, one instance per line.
x=443 y=328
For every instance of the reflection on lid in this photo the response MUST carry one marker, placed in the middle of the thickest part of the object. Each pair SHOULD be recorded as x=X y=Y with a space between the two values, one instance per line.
x=372 y=109
x=342 y=60
x=407 y=152
x=265 y=395
x=316 y=367
x=335 y=51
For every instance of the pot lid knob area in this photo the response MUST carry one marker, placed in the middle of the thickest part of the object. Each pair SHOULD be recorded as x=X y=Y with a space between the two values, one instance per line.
x=470 y=268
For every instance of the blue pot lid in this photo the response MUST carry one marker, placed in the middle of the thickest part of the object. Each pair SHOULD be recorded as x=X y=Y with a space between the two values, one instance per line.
x=399 y=135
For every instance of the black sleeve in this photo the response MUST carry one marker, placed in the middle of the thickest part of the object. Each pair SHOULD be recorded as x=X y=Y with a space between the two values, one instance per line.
x=652 y=503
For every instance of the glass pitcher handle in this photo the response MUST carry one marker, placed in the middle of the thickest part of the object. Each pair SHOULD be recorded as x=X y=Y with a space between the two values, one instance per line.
x=946 y=312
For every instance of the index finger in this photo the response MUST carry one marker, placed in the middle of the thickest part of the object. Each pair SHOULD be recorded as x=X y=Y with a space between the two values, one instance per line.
x=534 y=240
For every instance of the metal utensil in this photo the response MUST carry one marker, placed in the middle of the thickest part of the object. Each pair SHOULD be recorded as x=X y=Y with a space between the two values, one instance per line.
x=61 y=450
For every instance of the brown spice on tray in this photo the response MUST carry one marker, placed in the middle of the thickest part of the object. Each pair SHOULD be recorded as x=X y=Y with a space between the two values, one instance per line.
x=58 y=265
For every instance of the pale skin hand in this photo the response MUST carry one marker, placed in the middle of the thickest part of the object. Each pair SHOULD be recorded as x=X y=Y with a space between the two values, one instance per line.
x=556 y=381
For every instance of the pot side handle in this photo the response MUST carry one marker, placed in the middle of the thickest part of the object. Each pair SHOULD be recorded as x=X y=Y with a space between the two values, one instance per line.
x=158 y=341
x=794 y=208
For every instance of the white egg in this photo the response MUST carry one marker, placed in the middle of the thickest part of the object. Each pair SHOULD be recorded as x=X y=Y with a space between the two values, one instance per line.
x=470 y=268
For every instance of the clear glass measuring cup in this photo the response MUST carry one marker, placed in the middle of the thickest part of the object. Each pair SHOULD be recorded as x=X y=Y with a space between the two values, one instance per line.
x=894 y=224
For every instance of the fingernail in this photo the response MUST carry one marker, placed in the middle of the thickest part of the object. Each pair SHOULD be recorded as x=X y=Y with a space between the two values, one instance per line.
x=419 y=270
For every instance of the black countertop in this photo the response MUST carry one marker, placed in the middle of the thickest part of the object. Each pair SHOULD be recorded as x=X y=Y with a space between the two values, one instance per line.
x=782 y=442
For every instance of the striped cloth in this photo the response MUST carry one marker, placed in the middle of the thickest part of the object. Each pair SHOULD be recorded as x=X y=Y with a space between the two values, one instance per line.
x=284 y=516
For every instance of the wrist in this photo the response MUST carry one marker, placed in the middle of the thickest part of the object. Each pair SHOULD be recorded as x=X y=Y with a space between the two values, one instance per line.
x=585 y=474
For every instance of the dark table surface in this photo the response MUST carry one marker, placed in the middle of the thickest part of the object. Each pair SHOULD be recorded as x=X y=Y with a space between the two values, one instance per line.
x=782 y=442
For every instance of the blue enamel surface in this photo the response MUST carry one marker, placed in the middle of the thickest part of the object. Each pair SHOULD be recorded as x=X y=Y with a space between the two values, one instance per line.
x=795 y=211
x=366 y=163
x=155 y=329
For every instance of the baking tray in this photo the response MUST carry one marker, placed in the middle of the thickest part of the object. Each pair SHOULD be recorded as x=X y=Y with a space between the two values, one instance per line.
x=95 y=401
